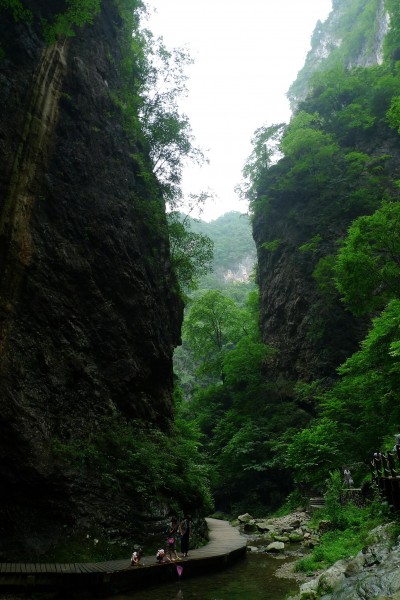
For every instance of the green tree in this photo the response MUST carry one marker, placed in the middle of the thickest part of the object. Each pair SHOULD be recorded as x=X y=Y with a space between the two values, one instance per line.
x=242 y=365
x=77 y=14
x=213 y=322
x=368 y=265
x=192 y=253
x=19 y=12
x=310 y=149
x=314 y=451
x=265 y=152
x=365 y=400
x=167 y=130
x=394 y=113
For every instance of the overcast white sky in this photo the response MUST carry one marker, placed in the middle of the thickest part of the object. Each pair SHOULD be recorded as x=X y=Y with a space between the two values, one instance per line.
x=246 y=53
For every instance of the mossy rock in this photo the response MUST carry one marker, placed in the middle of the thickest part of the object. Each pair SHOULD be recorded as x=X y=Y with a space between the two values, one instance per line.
x=276 y=547
x=295 y=537
x=245 y=518
x=263 y=526
x=281 y=538
x=249 y=527
x=266 y=537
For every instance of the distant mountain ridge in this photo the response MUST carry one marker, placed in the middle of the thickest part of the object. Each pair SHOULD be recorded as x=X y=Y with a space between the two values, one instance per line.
x=234 y=247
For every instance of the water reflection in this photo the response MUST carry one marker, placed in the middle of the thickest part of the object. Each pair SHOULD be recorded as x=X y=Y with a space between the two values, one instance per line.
x=250 y=579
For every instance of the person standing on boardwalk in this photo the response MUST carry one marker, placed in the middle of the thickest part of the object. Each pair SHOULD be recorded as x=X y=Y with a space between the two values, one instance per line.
x=185 y=531
x=172 y=532
x=348 y=480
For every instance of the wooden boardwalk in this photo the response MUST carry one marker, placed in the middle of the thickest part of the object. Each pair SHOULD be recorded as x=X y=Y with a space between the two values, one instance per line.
x=225 y=546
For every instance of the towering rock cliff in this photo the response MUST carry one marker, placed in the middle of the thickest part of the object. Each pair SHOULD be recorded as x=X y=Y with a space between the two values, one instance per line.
x=308 y=199
x=311 y=333
x=352 y=35
x=89 y=313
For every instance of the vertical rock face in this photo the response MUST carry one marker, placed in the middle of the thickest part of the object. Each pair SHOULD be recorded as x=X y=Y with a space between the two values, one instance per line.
x=344 y=38
x=311 y=334
x=89 y=313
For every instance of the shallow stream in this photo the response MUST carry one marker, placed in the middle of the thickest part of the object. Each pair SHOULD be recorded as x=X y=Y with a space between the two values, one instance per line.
x=249 y=579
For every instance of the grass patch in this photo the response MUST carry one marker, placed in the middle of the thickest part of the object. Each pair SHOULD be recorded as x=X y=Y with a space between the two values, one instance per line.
x=295 y=501
x=334 y=546
x=350 y=526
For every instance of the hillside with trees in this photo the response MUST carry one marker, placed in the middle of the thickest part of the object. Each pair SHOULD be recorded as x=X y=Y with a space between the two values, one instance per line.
x=230 y=275
x=234 y=252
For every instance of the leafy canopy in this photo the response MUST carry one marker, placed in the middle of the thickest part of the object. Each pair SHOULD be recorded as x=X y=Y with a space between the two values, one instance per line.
x=368 y=265
x=191 y=253
x=167 y=130
x=213 y=322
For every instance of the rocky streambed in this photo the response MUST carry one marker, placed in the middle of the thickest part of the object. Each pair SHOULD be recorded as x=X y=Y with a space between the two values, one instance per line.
x=282 y=538
x=271 y=535
x=372 y=574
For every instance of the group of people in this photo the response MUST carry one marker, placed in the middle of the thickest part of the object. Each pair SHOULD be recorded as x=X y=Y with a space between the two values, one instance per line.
x=173 y=531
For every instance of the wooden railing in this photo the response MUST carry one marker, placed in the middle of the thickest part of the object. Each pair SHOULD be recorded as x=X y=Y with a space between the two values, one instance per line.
x=385 y=472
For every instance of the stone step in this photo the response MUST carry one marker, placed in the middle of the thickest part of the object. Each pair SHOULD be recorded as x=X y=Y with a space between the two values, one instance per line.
x=317 y=501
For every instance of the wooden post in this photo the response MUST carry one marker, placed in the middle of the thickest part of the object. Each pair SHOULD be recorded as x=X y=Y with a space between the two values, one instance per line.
x=385 y=466
x=392 y=469
x=398 y=452
x=373 y=469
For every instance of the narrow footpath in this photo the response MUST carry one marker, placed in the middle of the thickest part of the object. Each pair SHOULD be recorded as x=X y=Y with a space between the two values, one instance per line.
x=226 y=545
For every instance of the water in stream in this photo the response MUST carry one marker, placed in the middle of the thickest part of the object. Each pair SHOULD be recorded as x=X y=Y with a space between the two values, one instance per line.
x=249 y=579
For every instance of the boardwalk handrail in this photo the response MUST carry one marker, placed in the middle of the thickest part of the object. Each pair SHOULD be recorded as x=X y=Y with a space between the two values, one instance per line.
x=385 y=474
x=224 y=547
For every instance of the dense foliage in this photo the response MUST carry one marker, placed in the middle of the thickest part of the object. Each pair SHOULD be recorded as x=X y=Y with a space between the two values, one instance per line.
x=136 y=458
x=229 y=401
x=63 y=24
x=349 y=527
x=17 y=9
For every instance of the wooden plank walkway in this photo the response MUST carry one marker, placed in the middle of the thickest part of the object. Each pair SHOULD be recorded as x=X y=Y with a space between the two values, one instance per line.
x=225 y=546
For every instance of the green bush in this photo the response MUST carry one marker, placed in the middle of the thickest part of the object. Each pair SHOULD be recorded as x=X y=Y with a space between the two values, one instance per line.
x=351 y=526
x=78 y=13
x=138 y=459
